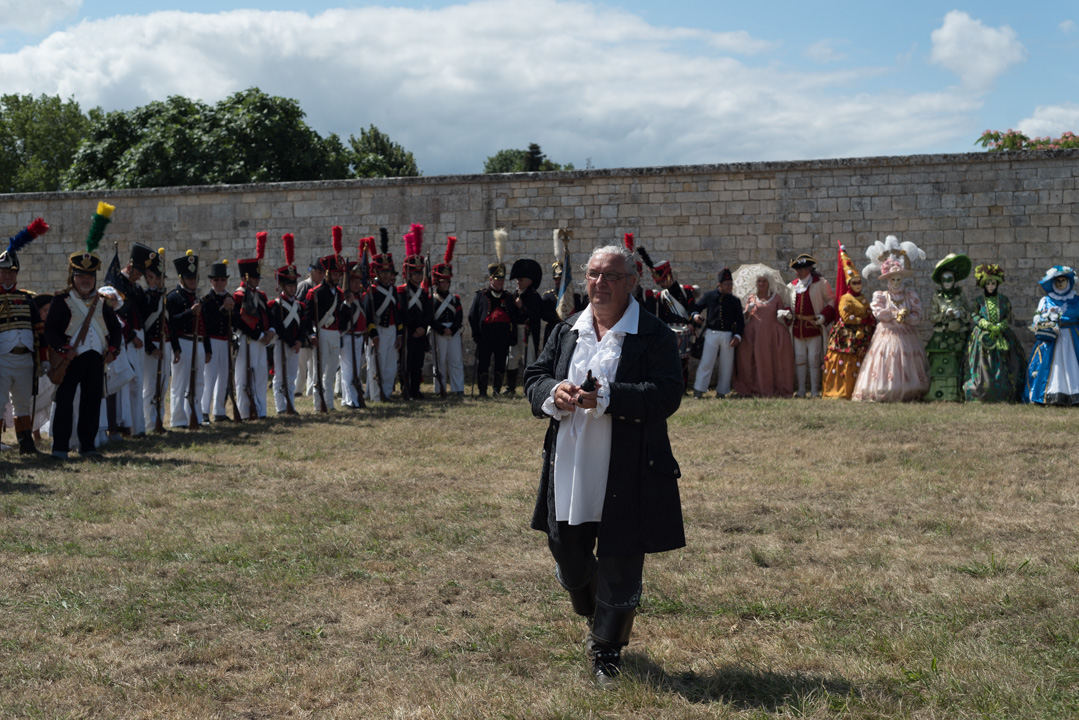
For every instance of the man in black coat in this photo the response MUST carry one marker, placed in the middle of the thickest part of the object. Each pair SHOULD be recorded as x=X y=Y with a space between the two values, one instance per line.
x=608 y=379
x=720 y=313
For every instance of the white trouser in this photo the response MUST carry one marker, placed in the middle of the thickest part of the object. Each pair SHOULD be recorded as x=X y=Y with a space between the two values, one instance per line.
x=716 y=343
x=149 y=388
x=129 y=397
x=387 y=363
x=305 y=376
x=330 y=352
x=807 y=351
x=522 y=354
x=450 y=363
x=285 y=363
x=351 y=343
x=181 y=383
x=251 y=353
x=216 y=386
x=16 y=381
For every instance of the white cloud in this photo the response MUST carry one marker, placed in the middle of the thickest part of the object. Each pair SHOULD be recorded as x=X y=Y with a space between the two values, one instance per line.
x=824 y=52
x=976 y=53
x=458 y=84
x=1051 y=121
x=35 y=16
x=1067 y=27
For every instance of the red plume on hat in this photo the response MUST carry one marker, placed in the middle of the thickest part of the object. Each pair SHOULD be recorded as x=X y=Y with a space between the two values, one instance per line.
x=627 y=240
x=290 y=248
x=417 y=234
x=335 y=232
x=410 y=244
x=451 y=242
x=260 y=245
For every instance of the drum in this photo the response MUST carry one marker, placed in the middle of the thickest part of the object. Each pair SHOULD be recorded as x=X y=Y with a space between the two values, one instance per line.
x=684 y=336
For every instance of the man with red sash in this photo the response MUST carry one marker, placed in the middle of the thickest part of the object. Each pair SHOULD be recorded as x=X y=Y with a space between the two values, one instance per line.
x=814 y=310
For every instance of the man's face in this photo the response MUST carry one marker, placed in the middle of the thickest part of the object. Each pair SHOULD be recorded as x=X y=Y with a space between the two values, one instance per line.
x=415 y=277
x=803 y=272
x=498 y=284
x=133 y=273
x=84 y=283
x=523 y=284
x=289 y=289
x=317 y=276
x=220 y=285
x=612 y=293
x=385 y=277
x=153 y=280
x=443 y=286
x=335 y=277
x=251 y=282
x=8 y=277
x=727 y=287
x=43 y=311
x=355 y=284
x=189 y=283
x=666 y=281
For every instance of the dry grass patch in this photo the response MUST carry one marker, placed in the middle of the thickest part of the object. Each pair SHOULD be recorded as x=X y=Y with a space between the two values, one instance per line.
x=843 y=560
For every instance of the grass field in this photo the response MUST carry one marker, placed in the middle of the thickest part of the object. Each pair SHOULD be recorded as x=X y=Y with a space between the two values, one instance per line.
x=843 y=560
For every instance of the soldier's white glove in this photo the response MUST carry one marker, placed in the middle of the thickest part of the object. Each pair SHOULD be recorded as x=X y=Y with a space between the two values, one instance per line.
x=783 y=314
x=818 y=320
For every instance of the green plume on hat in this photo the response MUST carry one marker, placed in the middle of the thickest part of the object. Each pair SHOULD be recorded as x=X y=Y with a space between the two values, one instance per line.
x=101 y=219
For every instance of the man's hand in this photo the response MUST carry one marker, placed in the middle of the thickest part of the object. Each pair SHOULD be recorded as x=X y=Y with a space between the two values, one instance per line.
x=156 y=354
x=209 y=357
x=196 y=308
x=419 y=332
x=229 y=303
x=397 y=343
x=176 y=356
x=735 y=340
x=137 y=343
x=268 y=337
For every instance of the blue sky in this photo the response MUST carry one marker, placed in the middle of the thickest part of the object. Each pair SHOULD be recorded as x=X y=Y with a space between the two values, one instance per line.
x=618 y=83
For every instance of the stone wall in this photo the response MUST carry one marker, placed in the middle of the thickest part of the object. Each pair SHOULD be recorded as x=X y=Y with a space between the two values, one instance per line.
x=1020 y=210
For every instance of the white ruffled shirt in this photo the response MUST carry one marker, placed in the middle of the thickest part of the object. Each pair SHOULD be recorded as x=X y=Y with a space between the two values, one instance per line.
x=583 y=450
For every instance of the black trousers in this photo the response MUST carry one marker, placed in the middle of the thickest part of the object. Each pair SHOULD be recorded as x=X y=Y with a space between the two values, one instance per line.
x=86 y=372
x=619 y=578
x=417 y=351
x=494 y=342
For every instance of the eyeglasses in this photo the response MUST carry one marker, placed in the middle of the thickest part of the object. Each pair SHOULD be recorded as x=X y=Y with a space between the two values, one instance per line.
x=611 y=277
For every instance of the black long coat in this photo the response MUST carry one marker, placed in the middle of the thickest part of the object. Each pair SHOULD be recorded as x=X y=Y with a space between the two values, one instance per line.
x=642 y=512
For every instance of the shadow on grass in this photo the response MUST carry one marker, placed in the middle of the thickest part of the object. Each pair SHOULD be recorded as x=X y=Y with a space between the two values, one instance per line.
x=741 y=688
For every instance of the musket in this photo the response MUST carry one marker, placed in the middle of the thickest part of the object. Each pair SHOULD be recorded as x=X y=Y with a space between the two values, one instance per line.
x=436 y=328
x=318 y=354
x=230 y=386
x=193 y=420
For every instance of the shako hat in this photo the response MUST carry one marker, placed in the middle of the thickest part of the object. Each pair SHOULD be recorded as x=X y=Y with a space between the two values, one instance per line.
x=627 y=240
x=661 y=270
x=413 y=249
x=252 y=267
x=384 y=259
x=288 y=273
x=497 y=269
x=9 y=259
x=444 y=269
x=188 y=265
x=725 y=275
x=333 y=263
x=88 y=262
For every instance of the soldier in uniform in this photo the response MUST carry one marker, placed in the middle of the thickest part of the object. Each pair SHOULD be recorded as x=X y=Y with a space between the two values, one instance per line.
x=251 y=318
x=354 y=330
x=491 y=319
x=186 y=320
x=157 y=358
x=527 y=321
x=674 y=304
x=724 y=324
x=324 y=303
x=133 y=314
x=305 y=377
x=415 y=312
x=218 y=306
x=288 y=317
x=20 y=339
x=82 y=331
x=814 y=310
x=385 y=331
x=447 y=320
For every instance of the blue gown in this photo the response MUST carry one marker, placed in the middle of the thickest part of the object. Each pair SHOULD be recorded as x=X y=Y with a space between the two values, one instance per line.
x=1053 y=370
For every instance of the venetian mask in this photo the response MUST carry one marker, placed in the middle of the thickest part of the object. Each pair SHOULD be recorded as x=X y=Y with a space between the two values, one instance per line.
x=990 y=287
x=895 y=284
x=947 y=280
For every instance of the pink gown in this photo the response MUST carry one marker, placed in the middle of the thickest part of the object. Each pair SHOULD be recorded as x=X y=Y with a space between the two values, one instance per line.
x=764 y=360
x=895 y=369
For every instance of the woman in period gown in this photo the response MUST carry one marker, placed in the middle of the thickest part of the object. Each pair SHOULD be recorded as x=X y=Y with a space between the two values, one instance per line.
x=851 y=334
x=950 y=316
x=1053 y=371
x=895 y=368
x=996 y=364
x=764 y=360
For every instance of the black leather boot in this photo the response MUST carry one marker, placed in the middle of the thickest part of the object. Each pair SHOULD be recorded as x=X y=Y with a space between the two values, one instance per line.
x=481 y=383
x=26 y=443
x=611 y=628
x=511 y=382
x=497 y=383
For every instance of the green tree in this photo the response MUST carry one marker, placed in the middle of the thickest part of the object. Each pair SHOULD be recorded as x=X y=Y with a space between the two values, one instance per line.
x=248 y=137
x=38 y=140
x=530 y=160
x=375 y=155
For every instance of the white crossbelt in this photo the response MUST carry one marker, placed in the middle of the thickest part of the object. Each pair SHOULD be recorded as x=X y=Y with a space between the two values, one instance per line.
x=327 y=318
x=386 y=302
x=672 y=302
x=415 y=298
x=292 y=312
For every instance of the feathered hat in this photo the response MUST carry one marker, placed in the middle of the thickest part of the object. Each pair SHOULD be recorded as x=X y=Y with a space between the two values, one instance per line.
x=989 y=271
x=413 y=249
x=252 y=267
x=334 y=263
x=444 y=270
x=361 y=266
x=1057 y=271
x=627 y=240
x=9 y=259
x=659 y=271
x=497 y=269
x=88 y=262
x=890 y=247
x=287 y=273
x=383 y=260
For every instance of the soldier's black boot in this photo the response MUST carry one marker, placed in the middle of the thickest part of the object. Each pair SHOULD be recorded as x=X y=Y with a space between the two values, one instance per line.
x=498 y=383
x=481 y=383
x=583 y=601
x=611 y=628
x=511 y=382
x=24 y=431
